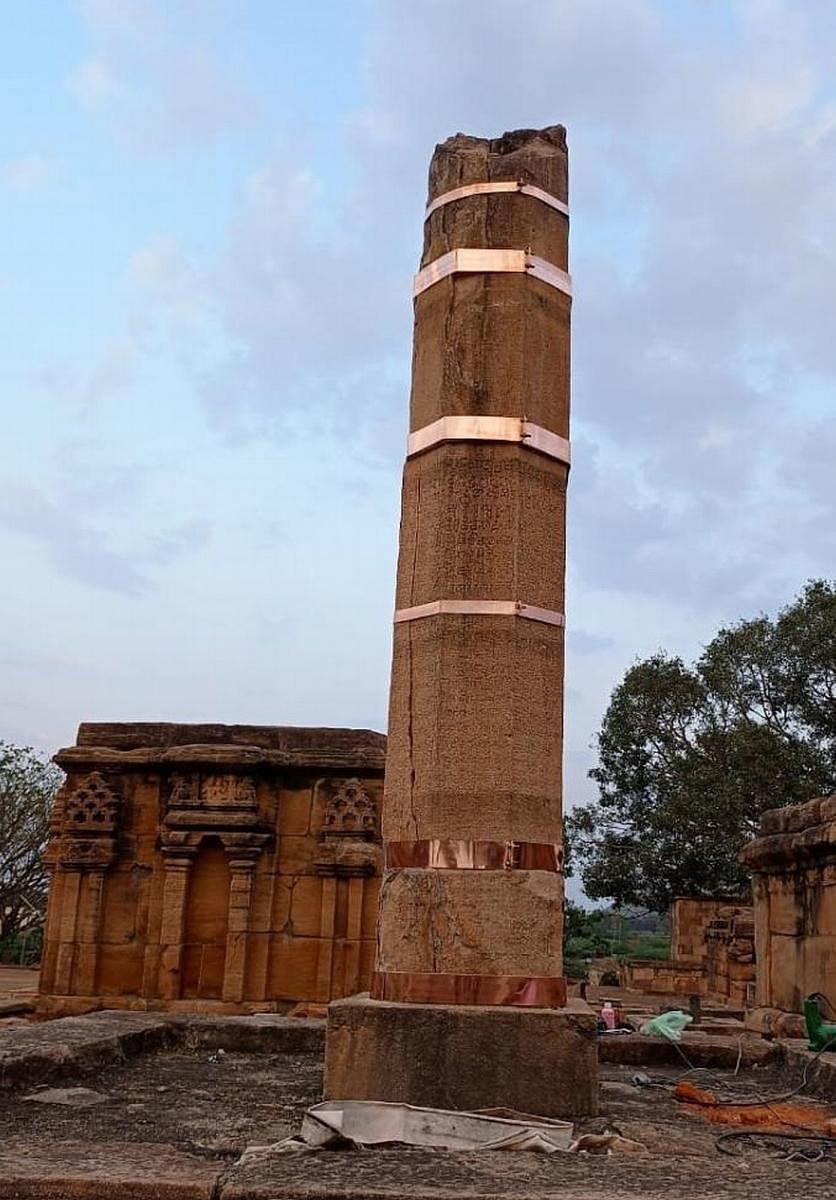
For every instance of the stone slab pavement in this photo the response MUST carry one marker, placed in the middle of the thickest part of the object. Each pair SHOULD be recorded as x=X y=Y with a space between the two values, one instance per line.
x=177 y=1115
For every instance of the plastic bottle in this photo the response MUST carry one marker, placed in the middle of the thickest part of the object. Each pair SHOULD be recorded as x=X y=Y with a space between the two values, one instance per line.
x=608 y=1015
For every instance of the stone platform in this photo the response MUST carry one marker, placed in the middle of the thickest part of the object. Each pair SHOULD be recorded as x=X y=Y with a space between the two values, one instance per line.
x=536 y=1060
x=175 y=1115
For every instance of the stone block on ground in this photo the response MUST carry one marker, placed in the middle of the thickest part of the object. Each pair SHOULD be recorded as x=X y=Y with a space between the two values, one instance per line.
x=535 y=1060
x=263 y=1033
x=41 y=1052
x=76 y=1170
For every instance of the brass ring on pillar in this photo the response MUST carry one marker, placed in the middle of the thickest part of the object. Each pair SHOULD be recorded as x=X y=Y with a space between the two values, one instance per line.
x=504 y=185
x=475 y=428
x=459 y=854
x=518 y=991
x=471 y=260
x=480 y=608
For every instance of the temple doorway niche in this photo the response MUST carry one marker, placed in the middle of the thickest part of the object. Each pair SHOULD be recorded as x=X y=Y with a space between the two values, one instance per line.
x=207 y=920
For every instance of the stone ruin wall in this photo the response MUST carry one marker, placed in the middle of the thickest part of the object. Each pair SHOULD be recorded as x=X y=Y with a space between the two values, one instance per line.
x=227 y=868
x=793 y=862
x=712 y=953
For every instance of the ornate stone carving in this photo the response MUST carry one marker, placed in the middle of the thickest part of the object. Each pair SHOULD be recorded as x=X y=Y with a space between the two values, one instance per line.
x=94 y=853
x=348 y=835
x=215 y=804
x=83 y=825
x=93 y=807
x=185 y=791
x=228 y=791
x=350 y=812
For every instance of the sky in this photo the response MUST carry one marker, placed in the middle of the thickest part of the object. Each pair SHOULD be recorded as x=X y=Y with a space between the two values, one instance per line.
x=210 y=214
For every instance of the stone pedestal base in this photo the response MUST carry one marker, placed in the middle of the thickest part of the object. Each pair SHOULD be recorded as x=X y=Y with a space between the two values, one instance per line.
x=535 y=1060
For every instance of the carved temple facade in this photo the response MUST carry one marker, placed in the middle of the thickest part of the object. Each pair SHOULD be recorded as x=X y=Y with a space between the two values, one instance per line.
x=212 y=868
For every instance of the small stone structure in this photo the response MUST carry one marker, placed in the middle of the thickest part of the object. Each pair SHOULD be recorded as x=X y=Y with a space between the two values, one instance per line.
x=793 y=864
x=212 y=867
x=692 y=916
x=730 y=956
x=712 y=953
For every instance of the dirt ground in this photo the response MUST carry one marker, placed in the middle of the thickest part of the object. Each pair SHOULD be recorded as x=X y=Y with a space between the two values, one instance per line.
x=211 y=1107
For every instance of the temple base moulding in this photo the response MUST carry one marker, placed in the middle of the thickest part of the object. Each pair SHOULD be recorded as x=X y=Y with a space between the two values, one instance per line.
x=535 y=1060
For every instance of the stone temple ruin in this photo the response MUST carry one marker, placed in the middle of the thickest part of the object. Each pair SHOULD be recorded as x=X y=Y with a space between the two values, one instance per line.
x=212 y=868
x=793 y=865
x=223 y=884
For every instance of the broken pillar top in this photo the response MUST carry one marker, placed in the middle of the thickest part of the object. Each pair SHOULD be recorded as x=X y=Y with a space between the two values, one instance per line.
x=535 y=156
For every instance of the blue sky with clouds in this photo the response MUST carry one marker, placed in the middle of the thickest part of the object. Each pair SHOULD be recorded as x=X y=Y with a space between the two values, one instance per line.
x=210 y=212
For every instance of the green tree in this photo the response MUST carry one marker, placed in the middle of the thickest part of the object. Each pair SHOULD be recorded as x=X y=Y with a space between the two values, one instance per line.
x=28 y=784
x=689 y=757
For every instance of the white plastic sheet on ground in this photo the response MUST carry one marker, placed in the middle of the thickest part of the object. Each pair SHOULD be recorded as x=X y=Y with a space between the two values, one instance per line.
x=358 y=1123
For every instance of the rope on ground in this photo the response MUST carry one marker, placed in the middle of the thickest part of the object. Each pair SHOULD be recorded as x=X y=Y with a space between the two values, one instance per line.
x=754 y=1100
x=792 y=1147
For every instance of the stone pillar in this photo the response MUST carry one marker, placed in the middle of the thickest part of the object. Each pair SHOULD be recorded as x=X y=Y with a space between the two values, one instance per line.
x=63 y=982
x=468 y=1004
x=87 y=950
x=177 y=866
x=241 y=866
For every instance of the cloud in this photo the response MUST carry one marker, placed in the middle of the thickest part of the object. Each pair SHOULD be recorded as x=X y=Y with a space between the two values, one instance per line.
x=80 y=541
x=94 y=84
x=154 y=75
x=31 y=173
x=581 y=642
x=702 y=169
x=703 y=154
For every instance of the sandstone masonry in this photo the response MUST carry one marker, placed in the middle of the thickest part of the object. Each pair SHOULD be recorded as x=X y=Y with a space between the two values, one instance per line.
x=212 y=867
x=793 y=863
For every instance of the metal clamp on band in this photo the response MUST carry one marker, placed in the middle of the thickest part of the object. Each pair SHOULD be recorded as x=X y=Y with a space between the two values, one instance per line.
x=415 y=987
x=486 y=189
x=470 y=261
x=489 y=608
x=489 y=429
x=452 y=854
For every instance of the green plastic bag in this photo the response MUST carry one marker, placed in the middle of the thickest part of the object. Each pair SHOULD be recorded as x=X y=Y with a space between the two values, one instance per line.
x=668 y=1024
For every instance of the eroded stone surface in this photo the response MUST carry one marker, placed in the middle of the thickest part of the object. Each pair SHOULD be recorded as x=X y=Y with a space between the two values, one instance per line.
x=103 y=1171
x=794 y=881
x=476 y=701
x=461 y=1057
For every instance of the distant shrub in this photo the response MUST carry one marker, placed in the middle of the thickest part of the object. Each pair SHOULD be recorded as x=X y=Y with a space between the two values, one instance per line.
x=573 y=968
x=23 y=948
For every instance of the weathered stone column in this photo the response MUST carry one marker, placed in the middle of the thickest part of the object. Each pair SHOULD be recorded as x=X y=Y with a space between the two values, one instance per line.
x=468 y=1003
x=241 y=866
x=178 y=863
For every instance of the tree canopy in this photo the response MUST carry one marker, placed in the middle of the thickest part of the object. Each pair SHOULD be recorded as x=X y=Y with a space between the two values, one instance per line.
x=690 y=756
x=28 y=785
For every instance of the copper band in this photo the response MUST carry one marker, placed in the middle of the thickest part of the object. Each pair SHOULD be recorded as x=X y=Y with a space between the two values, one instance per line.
x=409 y=987
x=485 y=608
x=468 y=261
x=450 y=854
x=505 y=185
x=489 y=429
